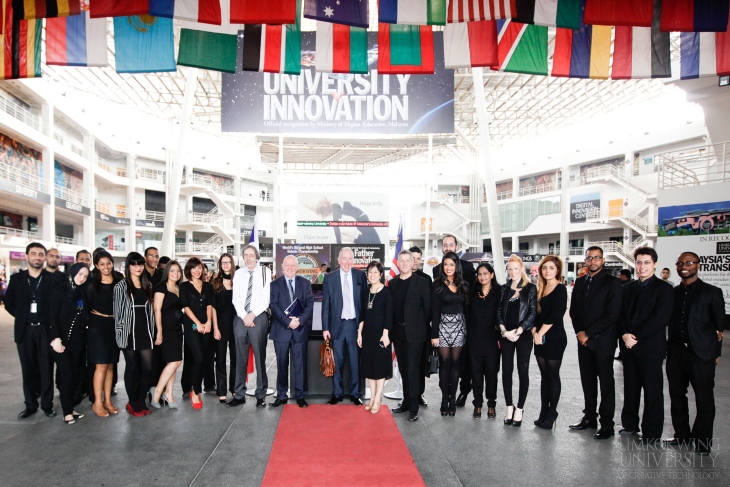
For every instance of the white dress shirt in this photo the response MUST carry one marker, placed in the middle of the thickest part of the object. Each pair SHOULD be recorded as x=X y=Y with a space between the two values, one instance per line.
x=260 y=292
x=347 y=276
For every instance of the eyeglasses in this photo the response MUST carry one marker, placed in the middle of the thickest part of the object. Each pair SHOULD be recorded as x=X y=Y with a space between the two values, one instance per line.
x=685 y=263
x=589 y=258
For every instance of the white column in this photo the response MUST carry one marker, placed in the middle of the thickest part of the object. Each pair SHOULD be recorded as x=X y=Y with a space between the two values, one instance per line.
x=131 y=244
x=278 y=209
x=515 y=186
x=490 y=186
x=89 y=235
x=564 y=219
x=237 y=219
x=48 y=226
x=515 y=243
x=429 y=190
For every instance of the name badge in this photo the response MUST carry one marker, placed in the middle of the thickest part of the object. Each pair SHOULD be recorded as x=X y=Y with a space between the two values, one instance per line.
x=79 y=303
x=33 y=307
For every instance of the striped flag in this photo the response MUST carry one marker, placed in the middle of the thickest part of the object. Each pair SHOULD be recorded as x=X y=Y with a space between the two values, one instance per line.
x=341 y=48
x=394 y=270
x=695 y=15
x=347 y=12
x=405 y=49
x=264 y=11
x=21 y=40
x=704 y=54
x=414 y=12
x=76 y=41
x=272 y=48
x=203 y=11
x=471 y=44
x=210 y=46
x=582 y=53
x=522 y=48
x=471 y=10
x=119 y=8
x=641 y=52
x=553 y=13
x=635 y=13
x=42 y=9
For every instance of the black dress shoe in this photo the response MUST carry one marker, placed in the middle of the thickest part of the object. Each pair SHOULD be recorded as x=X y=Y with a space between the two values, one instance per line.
x=356 y=401
x=412 y=416
x=627 y=432
x=399 y=409
x=603 y=434
x=583 y=424
x=334 y=400
x=25 y=413
x=260 y=403
x=236 y=402
x=422 y=402
x=209 y=389
x=302 y=403
x=277 y=402
x=461 y=400
x=49 y=412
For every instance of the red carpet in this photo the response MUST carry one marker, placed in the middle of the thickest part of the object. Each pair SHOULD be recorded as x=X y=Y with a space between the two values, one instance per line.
x=339 y=445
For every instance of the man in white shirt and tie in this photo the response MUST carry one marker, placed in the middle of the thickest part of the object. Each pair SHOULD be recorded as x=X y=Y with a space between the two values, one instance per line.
x=251 y=295
x=341 y=301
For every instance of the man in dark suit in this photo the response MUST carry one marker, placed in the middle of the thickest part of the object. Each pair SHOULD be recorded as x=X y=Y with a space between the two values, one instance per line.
x=693 y=350
x=594 y=310
x=28 y=299
x=646 y=310
x=289 y=332
x=340 y=313
x=411 y=311
x=427 y=348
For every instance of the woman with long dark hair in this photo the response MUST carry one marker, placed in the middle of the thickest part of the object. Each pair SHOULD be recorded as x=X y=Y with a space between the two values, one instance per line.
x=223 y=314
x=516 y=315
x=135 y=327
x=449 y=299
x=67 y=330
x=197 y=298
x=168 y=317
x=103 y=351
x=549 y=336
x=483 y=339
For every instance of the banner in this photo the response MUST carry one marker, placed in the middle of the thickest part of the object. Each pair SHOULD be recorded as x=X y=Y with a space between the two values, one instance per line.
x=581 y=203
x=309 y=256
x=364 y=254
x=343 y=218
x=327 y=103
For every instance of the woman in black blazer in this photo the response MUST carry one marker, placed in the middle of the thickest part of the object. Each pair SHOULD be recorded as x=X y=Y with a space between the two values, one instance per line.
x=517 y=311
x=69 y=315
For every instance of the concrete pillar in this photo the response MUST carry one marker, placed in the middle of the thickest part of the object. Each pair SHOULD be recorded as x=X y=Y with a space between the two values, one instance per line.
x=89 y=233
x=515 y=243
x=131 y=210
x=48 y=225
x=515 y=186
x=237 y=219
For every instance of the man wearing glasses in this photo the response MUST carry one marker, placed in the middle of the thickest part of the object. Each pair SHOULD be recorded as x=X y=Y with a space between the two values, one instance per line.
x=693 y=350
x=594 y=311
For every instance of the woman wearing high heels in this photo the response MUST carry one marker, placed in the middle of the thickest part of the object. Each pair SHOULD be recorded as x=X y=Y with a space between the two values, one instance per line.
x=168 y=317
x=373 y=335
x=223 y=316
x=197 y=298
x=549 y=336
x=103 y=351
x=449 y=300
x=135 y=327
x=67 y=329
x=516 y=315
x=483 y=340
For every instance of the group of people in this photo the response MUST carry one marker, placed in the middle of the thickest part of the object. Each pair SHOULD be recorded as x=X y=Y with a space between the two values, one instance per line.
x=470 y=321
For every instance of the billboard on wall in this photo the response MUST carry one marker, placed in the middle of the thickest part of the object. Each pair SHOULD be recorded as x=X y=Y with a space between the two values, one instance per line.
x=580 y=204
x=343 y=218
x=314 y=102
x=309 y=257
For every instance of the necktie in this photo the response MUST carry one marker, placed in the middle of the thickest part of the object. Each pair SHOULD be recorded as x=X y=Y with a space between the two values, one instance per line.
x=291 y=291
x=346 y=299
x=588 y=286
x=249 y=292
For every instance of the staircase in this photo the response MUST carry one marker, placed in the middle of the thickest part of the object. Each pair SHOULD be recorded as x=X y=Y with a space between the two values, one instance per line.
x=624 y=252
x=629 y=217
x=615 y=174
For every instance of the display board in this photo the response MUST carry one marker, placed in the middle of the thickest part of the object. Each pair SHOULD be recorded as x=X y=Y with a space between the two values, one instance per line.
x=343 y=218
x=580 y=204
x=363 y=254
x=309 y=256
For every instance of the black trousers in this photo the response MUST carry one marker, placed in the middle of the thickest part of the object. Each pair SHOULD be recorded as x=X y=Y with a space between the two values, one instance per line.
x=684 y=367
x=298 y=351
x=186 y=381
x=409 y=360
x=197 y=343
x=209 y=374
x=36 y=365
x=643 y=373
x=70 y=369
x=523 y=348
x=485 y=369
x=595 y=366
x=465 y=384
x=425 y=353
x=221 y=346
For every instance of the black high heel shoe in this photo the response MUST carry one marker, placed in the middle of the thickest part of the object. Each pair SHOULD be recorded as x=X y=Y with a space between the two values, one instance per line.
x=452 y=406
x=444 y=408
x=510 y=415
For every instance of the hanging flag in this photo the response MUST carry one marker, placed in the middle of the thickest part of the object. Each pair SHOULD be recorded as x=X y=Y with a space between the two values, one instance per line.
x=522 y=48
x=394 y=270
x=119 y=8
x=471 y=10
x=203 y=11
x=582 y=53
x=553 y=13
x=695 y=15
x=471 y=44
x=144 y=44
x=254 y=240
x=76 y=41
x=405 y=49
x=341 y=49
x=642 y=52
x=43 y=9
x=21 y=40
x=347 y=12
x=414 y=12
x=210 y=46
x=264 y=11
x=704 y=54
x=636 y=13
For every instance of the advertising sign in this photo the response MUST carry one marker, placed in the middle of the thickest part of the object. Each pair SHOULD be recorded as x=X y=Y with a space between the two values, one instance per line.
x=343 y=218
x=309 y=256
x=323 y=103
x=581 y=203
x=364 y=254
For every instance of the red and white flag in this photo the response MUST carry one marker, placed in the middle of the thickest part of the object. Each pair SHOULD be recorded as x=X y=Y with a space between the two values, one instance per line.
x=471 y=10
x=471 y=44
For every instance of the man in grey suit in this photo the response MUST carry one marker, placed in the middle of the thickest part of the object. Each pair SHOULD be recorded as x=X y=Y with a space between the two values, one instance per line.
x=340 y=312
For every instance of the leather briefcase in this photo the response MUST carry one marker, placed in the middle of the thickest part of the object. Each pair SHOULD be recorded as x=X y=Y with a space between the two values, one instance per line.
x=326 y=359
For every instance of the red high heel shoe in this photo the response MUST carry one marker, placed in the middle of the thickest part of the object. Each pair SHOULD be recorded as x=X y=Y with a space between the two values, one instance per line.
x=131 y=411
x=196 y=405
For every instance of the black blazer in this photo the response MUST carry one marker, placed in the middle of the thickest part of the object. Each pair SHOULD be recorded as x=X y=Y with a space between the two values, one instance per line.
x=332 y=299
x=67 y=320
x=528 y=304
x=417 y=308
x=467 y=271
x=17 y=299
x=280 y=331
x=706 y=315
x=597 y=317
x=653 y=314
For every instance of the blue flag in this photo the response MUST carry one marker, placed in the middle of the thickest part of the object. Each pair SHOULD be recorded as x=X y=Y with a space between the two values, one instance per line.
x=348 y=12
x=144 y=44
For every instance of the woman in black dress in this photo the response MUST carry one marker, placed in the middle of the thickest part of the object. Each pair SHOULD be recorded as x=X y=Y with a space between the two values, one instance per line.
x=483 y=339
x=135 y=327
x=103 y=351
x=223 y=317
x=549 y=336
x=197 y=298
x=67 y=329
x=373 y=335
x=168 y=317
x=516 y=315
x=449 y=299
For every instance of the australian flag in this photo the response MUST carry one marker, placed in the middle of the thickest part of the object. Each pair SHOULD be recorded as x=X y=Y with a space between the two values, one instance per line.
x=347 y=12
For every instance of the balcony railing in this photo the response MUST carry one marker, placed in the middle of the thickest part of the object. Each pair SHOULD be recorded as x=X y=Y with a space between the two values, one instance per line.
x=453 y=198
x=72 y=196
x=266 y=253
x=9 y=106
x=19 y=233
x=122 y=172
x=66 y=240
x=151 y=175
x=155 y=216
x=209 y=182
x=540 y=188
x=694 y=167
x=19 y=176
x=75 y=146
x=575 y=250
x=504 y=195
x=196 y=247
x=121 y=211
x=103 y=207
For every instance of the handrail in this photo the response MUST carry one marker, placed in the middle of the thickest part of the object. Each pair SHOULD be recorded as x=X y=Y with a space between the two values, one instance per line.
x=454 y=199
x=539 y=188
x=627 y=215
x=65 y=240
x=209 y=182
x=151 y=174
x=19 y=233
x=694 y=167
x=75 y=148
x=103 y=207
x=612 y=171
x=17 y=175
x=155 y=216
x=21 y=113
x=72 y=196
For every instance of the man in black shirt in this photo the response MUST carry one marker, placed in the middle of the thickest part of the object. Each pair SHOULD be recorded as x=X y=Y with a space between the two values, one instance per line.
x=28 y=299
x=693 y=350
x=427 y=348
x=417 y=256
x=53 y=260
x=411 y=311
x=151 y=259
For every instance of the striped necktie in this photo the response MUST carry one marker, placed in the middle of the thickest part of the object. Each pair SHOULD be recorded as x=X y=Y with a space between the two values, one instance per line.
x=249 y=292
x=291 y=291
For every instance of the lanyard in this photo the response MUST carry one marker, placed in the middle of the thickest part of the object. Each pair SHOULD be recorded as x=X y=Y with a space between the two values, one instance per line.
x=34 y=291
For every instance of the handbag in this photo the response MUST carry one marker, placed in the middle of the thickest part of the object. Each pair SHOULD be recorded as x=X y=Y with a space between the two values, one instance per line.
x=433 y=363
x=326 y=359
